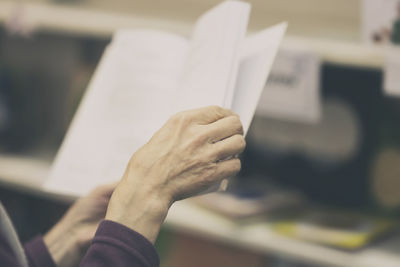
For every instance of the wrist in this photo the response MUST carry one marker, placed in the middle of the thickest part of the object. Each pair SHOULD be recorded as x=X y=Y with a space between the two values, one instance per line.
x=145 y=216
x=63 y=245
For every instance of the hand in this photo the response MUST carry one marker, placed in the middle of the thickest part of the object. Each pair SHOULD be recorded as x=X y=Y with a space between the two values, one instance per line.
x=68 y=240
x=194 y=150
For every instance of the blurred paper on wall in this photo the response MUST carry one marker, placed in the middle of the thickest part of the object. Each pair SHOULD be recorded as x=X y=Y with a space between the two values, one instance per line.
x=271 y=201
x=292 y=90
x=391 y=72
x=381 y=27
x=20 y=20
x=381 y=22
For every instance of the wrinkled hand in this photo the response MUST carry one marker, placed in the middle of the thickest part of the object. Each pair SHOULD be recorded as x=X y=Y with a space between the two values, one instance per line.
x=194 y=150
x=68 y=240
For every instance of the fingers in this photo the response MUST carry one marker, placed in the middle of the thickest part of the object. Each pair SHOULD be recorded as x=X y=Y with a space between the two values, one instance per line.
x=209 y=114
x=224 y=128
x=229 y=147
x=104 y=190
x=226 y=169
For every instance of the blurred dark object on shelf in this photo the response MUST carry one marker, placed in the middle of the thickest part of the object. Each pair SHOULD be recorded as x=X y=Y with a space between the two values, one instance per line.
x=253 y=202
x=42 y=80
x=198 y=251
x=31 y=215
x=5 y=108
x=331 y=161
x=186 y=249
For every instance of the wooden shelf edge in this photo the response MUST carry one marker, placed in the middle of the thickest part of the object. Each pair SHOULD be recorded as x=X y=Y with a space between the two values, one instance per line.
x=100 y=24
x=26 y=174
x=23 y=173
x=79 y=21
x=186 y=217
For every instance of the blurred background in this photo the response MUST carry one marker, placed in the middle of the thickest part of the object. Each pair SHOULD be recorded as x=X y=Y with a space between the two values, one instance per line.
x=323 y=191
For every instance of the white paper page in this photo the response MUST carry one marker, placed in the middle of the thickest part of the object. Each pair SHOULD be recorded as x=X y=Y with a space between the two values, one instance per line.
x=391 y=72
x=292 y=90
x=258 y=54
x=128 y=99
x=213 y=59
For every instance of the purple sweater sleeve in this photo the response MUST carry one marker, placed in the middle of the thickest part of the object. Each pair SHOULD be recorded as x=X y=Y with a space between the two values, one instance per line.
x=38 y=254
x=115 y=245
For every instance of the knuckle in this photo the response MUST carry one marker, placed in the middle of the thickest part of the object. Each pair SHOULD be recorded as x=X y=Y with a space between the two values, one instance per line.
x=195 y=143
x=195 y=131
x=216 y=109
x=238 y=124
x=236 y=165
x=231 y=168
x=211 y=156
x=206 y=164
x=209 y=172
x=241 y=141
x=198 y=138
x=181 y=118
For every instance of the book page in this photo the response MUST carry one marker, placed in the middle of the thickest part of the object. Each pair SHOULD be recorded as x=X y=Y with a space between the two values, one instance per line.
x=128 y=99
x=257 y=57
x=213 y=58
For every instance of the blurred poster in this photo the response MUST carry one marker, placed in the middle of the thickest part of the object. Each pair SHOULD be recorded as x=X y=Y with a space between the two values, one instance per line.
x=381 y=26
x=292 y=89
x=391 y=82
x=381 y=21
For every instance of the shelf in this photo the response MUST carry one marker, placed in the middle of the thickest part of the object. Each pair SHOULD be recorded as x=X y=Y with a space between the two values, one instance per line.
x=327 y=19
x=23 y=173
x=340 y=44
x=28 y=174
x=78 y=20
x=187 y=217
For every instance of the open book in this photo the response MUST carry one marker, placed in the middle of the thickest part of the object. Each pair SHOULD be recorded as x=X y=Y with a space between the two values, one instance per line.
x=146 y=76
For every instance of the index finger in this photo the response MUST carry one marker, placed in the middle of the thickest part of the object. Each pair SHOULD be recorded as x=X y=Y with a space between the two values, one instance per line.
x=104 y=190
x=210 y=114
